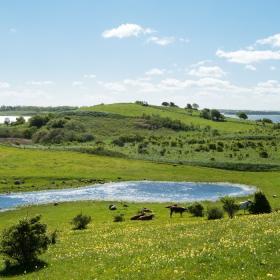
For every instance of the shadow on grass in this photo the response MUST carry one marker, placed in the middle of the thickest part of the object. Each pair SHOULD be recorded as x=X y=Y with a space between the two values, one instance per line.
x=16 y=269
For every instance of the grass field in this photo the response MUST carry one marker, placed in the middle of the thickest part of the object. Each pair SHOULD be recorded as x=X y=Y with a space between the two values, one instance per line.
x=57 y=169
x=247 y=247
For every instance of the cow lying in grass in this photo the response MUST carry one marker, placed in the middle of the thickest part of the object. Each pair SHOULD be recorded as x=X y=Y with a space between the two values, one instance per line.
x=176 y=209
x=143 y=215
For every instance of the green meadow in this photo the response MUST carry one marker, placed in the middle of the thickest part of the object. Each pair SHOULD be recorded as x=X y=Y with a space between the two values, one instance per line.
x=124 y=142
x=247 y=247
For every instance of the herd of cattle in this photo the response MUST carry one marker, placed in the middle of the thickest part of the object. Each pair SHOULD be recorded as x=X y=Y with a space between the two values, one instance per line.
x=146 y=214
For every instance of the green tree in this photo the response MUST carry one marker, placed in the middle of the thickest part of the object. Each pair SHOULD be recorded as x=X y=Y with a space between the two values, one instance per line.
x=188 y=106
x=230 y=206
x=216 y=115
x=242 y=115
x=195 y=106
x=260 y=205
x=25 y=241
x=38 y=120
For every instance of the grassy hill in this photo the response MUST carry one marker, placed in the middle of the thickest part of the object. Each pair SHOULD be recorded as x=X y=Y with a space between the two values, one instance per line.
x=187 y=116
x=156 y=133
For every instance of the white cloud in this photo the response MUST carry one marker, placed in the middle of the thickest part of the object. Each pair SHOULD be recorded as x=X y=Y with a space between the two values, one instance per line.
x=89 y=76
x=273 y=41
x=155 y=72
x=77 y=83
x=113 y=86
x=162 y=41
x=207 y=71
x=126 y=30
x=248 y=57
x=4 y=85
x=250 y=67
x=268 y=87
x=40 y=83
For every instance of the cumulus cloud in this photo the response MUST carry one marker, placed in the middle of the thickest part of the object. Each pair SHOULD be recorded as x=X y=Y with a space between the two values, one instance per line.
x=4 y=85
x=273 y=41
x=113 y=86
x=248 y=56
x=126 y=30
x=208 y=71
x=250 y=67
x=89 y=76
x=77 y=83
x=40 y=83
x=268 y=87
x=155 y=72
x=162 y=41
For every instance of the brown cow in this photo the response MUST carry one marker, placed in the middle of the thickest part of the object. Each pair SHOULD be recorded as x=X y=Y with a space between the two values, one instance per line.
x=176 y=209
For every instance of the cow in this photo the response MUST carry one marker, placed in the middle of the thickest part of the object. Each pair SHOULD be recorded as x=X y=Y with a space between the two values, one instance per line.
x=245 y=205
x=142 y=217
x=112 y=207
x=176 y=209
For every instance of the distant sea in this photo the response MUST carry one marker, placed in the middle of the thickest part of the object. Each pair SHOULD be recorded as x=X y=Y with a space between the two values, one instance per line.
x=274 y=118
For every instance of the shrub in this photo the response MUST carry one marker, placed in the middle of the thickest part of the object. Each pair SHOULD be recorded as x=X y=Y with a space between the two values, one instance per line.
x=260 y=205
x=214 y=213
x=263 y=154
x=25 y=241
x=53 y=236
x=230 y=206
x=38 y=120
x=81 y=221
x=119 y=218
x=196 y=209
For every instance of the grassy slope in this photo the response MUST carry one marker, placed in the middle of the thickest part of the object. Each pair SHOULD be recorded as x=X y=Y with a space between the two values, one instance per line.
x=129 y=109
x=247 y=247
x=48 y=169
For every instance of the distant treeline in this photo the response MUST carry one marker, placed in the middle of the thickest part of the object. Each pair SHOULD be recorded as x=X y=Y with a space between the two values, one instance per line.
x=4 y=108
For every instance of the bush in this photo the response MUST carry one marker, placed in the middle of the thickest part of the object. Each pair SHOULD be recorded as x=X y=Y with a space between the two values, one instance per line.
x=25 y=241
x=214 y=213
x=230 y=206
x=156 y=122
x=260 y=205
x=119 y=218
x=53 y=236
x=263 y=154
x=81 y=221
x=38 y=120
x=196 y=209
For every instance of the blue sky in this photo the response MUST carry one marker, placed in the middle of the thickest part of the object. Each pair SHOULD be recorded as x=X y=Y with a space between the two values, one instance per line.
x=222 y=54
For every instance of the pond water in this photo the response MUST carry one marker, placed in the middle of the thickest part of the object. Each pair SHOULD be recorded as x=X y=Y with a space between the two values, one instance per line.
x=274 y=118
x=12 y=118
x=137 y=191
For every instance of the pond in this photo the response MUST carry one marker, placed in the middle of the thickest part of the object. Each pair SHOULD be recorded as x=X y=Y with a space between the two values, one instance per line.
x=12 y=118
x=136 y=191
